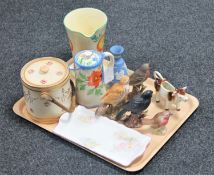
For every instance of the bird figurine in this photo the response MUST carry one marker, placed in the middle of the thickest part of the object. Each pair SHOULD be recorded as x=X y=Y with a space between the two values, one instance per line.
x=139 y=76
x=158 y=122
x=136 y=106
x=115 y=95
x=133 y=121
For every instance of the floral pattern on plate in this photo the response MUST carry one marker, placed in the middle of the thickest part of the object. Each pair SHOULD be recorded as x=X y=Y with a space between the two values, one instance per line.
x=90 y=143
x=102 y=136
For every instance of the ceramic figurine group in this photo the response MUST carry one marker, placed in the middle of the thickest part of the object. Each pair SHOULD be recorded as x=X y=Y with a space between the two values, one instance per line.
x=130 y=108
x=101 y=79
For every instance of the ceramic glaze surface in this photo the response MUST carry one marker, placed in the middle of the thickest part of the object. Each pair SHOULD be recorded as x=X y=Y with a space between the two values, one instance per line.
x=91 y=76
x=85 y=29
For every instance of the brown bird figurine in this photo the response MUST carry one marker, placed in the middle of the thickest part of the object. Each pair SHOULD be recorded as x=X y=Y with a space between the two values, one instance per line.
x=137 y=78
x=140 y=75
x=115 y=95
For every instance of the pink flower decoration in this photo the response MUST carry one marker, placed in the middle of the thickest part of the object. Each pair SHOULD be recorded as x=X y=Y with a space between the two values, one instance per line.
x=59 y=73
x=30 y=71
x=49 y=63
x=121 y=146
x=43 y=81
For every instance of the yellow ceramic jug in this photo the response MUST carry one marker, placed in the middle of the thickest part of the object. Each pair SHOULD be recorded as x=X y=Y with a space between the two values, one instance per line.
x=85 y=29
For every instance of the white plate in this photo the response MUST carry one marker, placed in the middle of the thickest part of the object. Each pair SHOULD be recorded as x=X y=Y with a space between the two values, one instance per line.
x=102 y=136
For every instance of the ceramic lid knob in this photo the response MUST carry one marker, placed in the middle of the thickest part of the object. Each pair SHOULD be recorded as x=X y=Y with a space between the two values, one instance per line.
x=44 y=69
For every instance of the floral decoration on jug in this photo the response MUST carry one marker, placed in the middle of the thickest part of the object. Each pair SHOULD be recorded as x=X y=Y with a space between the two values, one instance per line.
x=93 y=83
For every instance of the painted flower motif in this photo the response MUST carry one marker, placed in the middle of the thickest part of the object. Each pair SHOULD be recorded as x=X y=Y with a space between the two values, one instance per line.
x=49 y=63
x=43 y=81
x=29 y=97
x=125 y=142
x=30 y=71
x=59 y=73
x=86 y=119
x=95 y=78
x=119 y=75
x=122 y=146
x=101 y=42
x=90 y=143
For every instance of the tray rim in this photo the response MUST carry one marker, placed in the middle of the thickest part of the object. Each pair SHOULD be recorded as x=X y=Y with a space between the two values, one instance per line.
x=129 y=168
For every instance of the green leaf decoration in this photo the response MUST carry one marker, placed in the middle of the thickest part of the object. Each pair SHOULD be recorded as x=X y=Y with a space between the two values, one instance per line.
x=82 y=87
x=79 y=81
x=101 y=85
x=95 y=38
x=98 y=91
x=83 y=76
x=90 y=91
x=81 y=60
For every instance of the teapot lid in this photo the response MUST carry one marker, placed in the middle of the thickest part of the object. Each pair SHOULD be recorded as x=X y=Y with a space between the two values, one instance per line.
x=88 y=59
x=44 y=72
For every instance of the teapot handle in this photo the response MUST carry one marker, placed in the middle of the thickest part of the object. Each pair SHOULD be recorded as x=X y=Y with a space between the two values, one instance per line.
x=108 y=67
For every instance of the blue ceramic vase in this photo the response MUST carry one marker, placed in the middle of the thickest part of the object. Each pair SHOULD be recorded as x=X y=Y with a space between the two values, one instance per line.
x=120 y=67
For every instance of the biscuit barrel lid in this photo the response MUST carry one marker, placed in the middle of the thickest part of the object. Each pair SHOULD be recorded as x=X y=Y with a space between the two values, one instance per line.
x=45 y=72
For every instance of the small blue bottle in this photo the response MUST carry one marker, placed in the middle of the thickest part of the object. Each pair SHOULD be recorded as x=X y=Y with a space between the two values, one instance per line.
x=120 y=68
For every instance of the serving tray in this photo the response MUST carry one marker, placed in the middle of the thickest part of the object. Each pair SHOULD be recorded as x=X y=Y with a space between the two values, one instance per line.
x=157 y=141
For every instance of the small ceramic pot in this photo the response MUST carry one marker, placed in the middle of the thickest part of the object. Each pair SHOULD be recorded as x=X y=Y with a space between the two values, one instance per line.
x=47 y=88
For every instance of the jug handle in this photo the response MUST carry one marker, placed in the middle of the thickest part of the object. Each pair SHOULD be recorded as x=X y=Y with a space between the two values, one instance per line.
x=111 y=57
x=109 y=67
x=157 y=75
